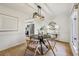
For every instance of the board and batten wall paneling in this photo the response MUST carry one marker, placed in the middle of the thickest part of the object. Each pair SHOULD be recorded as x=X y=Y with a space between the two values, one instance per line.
x=8 y=23
x=12 y=38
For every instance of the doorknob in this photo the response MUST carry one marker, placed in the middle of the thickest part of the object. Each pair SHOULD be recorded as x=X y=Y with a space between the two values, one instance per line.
x=75 y=38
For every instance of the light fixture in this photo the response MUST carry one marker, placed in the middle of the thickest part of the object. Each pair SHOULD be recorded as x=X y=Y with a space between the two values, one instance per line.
x=38 y=15
x=56 y=26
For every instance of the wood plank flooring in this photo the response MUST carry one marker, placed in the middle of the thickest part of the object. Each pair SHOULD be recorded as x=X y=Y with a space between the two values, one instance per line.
x=62 y=49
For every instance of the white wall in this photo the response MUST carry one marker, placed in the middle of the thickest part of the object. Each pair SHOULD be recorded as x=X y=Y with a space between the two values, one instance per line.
x=0 y=23
x=9 y=39
x=64 y=23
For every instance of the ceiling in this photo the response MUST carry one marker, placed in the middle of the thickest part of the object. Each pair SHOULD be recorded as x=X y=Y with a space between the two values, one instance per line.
x=48 y=9
x=60 y=8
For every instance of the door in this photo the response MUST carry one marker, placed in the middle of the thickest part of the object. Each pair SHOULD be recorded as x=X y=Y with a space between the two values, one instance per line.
x=75 y=31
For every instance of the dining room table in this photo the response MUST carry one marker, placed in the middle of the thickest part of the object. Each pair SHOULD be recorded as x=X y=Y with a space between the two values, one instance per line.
x=42 y=39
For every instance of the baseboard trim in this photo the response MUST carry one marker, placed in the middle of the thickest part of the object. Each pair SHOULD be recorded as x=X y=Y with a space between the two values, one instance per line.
x=65 y=43
x=71 y=49
x=12 y=46
x=62 y=41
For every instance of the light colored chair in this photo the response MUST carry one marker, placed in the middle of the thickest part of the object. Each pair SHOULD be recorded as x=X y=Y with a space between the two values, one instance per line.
x=30 y=43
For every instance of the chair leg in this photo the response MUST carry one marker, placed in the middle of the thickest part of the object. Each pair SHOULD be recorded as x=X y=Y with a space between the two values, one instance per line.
x=25 y=51
x=27 y=44
x=50 y=47
x=37 y=50
x=55 y=48
x=53 y=52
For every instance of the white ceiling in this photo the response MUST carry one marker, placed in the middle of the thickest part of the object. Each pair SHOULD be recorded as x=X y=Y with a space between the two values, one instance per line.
x=61 y=8
x=48 y=9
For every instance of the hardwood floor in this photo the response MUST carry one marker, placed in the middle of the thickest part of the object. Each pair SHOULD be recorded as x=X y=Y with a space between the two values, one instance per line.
x=62 y=49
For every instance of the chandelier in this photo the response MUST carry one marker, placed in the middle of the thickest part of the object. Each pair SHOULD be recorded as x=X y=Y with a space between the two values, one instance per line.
x=38 y=15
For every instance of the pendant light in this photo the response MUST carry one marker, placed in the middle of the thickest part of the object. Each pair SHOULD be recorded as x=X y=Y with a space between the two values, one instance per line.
x=38 y=15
